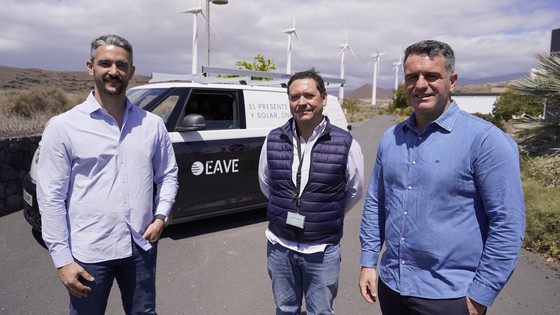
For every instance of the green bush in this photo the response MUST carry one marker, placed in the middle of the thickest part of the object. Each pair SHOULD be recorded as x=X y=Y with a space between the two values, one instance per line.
x=400 y=101
x=541 y=188
x=511 y=103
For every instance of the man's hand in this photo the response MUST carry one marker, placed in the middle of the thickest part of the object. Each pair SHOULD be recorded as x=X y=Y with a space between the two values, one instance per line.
x=475 y=308
x=69 y=276
x=153 y=232
x=368 y=284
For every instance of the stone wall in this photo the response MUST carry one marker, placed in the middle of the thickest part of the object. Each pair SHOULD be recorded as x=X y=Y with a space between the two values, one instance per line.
x=15 y=160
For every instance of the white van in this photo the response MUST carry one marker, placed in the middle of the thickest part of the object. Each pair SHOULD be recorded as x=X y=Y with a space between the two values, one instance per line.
x=217 y=132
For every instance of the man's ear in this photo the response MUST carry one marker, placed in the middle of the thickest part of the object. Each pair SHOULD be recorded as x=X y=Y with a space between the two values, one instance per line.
x=453 y=80
x=131 y=73
x=89 y=66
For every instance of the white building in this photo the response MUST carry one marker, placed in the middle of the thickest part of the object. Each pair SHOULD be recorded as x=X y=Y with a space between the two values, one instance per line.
x=476 y=103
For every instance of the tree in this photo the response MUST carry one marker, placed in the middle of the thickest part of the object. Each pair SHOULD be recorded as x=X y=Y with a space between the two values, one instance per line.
x=540 y=136
x=511 y=103
x=400 y=100
x=260 y=64
x=543 y=83
x=351 y=105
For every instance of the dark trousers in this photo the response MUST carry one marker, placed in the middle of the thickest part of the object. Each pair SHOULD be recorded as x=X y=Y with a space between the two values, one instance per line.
x=136 y=277
x=392 y=303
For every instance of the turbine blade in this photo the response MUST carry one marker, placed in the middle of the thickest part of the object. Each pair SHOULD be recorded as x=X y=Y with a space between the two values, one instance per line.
x=211 y=27
x=353 y=54
x=301 y=44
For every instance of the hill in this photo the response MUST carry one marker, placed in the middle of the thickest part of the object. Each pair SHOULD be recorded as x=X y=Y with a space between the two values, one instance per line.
x=496 y=79
x=364 y=93
x=70 y=81
x=12 y=78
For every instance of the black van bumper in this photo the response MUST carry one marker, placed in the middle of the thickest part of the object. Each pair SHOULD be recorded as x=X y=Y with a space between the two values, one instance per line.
x=31 y=208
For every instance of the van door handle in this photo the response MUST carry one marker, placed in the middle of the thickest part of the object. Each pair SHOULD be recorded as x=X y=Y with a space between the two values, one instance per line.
x=236 y=147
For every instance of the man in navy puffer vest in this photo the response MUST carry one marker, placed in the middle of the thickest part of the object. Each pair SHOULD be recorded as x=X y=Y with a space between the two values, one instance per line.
x=312 y=173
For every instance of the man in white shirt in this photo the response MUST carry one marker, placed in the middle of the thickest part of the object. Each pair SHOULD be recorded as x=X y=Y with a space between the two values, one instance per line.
x=96 y=173
x=312 y=173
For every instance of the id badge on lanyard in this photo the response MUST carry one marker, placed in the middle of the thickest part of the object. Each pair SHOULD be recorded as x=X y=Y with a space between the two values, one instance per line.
x=294 y=218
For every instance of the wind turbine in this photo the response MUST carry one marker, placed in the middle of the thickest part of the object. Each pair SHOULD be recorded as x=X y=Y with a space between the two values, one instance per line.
x=376 y=58
x=195 y=11
x=291 y=31
x=397 y=65
x=343 y=47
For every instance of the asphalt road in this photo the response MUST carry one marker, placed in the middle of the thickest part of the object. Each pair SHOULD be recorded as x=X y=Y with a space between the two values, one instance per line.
x=217 y=266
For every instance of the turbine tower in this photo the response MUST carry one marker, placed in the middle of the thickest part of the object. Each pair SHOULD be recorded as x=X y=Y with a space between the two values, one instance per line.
x=195 y=11
x=291 y=31
x=397 y=65
x=343 y=47
x=376 y=58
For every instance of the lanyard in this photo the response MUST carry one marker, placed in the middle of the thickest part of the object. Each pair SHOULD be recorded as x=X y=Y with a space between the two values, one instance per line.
x=298 y=175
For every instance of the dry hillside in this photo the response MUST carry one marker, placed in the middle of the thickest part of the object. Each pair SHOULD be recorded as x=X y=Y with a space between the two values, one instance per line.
x=70 y=81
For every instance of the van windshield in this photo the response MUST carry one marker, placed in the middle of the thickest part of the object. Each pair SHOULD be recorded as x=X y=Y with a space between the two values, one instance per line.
x=142 y=97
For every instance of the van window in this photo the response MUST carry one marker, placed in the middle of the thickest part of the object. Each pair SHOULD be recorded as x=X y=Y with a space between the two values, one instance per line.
x=219 y=109
x=142 y=97
x=165 y=108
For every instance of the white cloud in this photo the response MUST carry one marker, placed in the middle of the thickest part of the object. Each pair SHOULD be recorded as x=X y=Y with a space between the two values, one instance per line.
x=489 y=37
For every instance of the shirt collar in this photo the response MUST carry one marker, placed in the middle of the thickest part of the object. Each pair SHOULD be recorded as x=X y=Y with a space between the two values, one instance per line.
x=445 y=121
x=316 y=132
x=92 y=105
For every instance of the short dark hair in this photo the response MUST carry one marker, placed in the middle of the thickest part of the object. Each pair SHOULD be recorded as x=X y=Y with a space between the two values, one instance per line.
x=110 y=40
x=309 y=74
x=433 y=48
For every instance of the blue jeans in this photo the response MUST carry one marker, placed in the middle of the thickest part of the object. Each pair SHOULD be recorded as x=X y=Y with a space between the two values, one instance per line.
x=136 y=277
x=294 y=275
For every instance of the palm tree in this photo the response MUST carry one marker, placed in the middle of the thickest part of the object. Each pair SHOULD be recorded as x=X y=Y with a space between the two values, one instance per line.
x=541 y=136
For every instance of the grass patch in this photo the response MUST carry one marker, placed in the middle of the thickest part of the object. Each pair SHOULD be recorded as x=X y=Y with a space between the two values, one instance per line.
x=541 y=187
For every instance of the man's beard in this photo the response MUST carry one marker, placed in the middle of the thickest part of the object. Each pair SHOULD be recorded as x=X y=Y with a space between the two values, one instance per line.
x=119 y=89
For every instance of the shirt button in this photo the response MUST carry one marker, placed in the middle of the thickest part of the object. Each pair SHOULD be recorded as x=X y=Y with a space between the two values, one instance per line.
x=406 y=212
x=402 y=239
x=409 y=187
x=413 y=162
x=419 y=138
x=403 y=262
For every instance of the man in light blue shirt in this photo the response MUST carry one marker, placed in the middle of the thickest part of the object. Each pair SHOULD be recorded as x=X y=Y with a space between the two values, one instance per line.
x=96 y=172
x=445 y=198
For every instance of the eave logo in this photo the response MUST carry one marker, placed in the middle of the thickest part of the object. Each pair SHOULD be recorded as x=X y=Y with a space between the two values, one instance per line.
x=215 y=167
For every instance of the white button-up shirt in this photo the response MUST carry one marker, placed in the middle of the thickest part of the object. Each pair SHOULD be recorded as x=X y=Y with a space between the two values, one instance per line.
x=95 y=181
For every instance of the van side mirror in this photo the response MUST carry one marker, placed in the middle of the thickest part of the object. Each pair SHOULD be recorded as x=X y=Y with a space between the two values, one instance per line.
x=192 y=122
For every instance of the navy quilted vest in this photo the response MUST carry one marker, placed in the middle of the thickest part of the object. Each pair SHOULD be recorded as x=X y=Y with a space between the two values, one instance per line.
x=322 y=199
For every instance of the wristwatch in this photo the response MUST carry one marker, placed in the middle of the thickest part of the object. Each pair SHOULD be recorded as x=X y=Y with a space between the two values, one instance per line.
x=161 y=217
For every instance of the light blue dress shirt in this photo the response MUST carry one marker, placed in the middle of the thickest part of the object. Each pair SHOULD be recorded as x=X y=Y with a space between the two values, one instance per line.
x=448 y=204
x=95 y=181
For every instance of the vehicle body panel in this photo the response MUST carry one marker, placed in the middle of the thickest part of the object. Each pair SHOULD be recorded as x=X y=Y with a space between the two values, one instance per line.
x=218 y=163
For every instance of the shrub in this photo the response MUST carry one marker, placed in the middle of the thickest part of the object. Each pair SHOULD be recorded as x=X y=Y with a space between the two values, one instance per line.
x=48 y=100
x=26 y=112
x=541 y=188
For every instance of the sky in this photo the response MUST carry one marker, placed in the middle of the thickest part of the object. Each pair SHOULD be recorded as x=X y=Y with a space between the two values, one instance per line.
x=489 y=37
